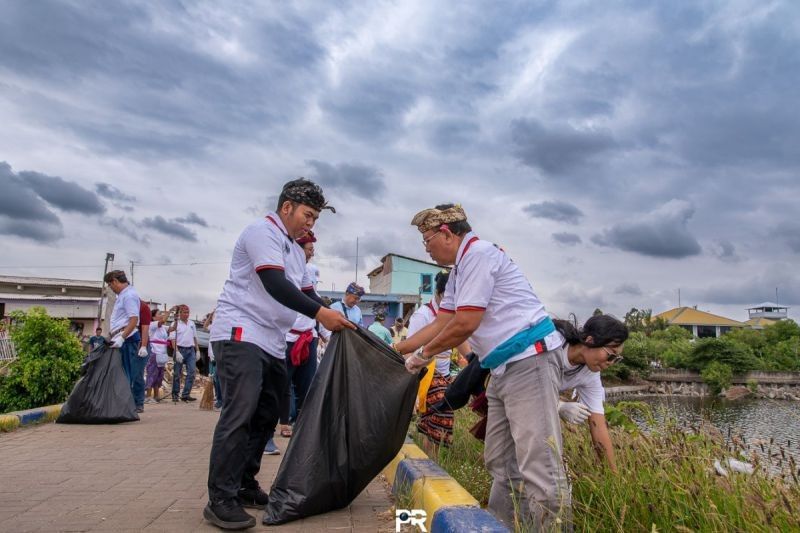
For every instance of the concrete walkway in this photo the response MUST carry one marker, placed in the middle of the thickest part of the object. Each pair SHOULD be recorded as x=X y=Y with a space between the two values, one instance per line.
x=142 y=476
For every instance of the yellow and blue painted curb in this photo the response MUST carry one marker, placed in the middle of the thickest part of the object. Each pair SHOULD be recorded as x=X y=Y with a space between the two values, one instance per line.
x=30 y=416
x=448 y=506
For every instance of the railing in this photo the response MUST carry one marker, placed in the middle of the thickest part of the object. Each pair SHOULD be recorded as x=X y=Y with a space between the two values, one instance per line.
x=7 y=352
x=687 y=376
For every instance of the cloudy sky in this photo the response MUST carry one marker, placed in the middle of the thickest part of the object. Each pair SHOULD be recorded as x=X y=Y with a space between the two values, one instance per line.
x=618 y=151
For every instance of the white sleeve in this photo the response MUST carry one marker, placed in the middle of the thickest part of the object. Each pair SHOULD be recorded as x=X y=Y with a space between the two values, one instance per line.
x=591 y=393
x=416 y=322
x=264 y=248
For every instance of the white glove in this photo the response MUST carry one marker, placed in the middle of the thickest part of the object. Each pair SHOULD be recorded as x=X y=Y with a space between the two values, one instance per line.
x=117 y=341
x=143 y=352
x=178 y=357
x=573 y=412
x=416 y=362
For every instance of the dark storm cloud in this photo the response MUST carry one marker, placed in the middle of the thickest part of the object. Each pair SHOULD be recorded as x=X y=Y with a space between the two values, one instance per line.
x=18 y=201
x=106 y=190
x=568 y=239
x=663 y=233
x=371 y=247
x=558 y=211
x=35 y=231
x=353 y=178
x=66 y=195
x=125 y=226
x=192 y=218
x=557 y=149
x=453 y=134
x=628 y=288
x=171 y=90
x=170 y=227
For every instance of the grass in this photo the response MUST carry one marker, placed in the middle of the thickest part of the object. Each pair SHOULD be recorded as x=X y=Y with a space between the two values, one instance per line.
x=666 y=481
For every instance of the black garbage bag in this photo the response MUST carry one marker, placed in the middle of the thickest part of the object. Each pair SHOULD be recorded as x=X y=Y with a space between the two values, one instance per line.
x=102 y=395
x=353 y=423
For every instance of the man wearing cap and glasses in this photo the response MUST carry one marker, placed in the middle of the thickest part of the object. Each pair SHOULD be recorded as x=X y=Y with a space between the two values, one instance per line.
x=267 y=286
x=490 y=302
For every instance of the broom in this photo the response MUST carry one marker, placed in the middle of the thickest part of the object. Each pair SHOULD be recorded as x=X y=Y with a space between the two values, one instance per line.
x=207 y=399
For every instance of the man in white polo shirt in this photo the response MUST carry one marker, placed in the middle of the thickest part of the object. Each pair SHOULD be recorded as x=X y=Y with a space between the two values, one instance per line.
x=183 y=332
x=490 y=302
x=123 y=331
x=267 y=286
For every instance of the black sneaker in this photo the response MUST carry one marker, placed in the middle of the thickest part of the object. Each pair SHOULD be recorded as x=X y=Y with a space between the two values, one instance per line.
x=228 y=514
x=189 y=399
x=253 y=498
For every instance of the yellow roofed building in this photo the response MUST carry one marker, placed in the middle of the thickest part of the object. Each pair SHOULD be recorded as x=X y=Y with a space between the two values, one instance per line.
x=700 y=323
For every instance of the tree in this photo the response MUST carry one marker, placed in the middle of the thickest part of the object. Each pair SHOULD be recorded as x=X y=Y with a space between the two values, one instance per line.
x=717 y=376
x=597 y=312
x=780 y=331
x=48 y=362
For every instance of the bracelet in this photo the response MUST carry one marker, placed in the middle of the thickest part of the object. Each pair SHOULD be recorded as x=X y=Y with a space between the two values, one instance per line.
x=419 y=355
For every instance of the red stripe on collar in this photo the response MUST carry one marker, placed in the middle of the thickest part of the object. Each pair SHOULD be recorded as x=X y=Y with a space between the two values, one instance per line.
x=466 y=248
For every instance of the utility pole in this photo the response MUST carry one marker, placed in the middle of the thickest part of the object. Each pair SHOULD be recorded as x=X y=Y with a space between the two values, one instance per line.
x=679 y=297
x=776 y=295
x=109 y=257
x=131 y=272
x=356 y=280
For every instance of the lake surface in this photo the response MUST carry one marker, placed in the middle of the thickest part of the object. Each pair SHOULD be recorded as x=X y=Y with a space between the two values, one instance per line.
x=753 y=419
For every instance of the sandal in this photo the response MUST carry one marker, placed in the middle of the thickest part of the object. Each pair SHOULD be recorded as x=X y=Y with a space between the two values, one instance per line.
x=286 y=432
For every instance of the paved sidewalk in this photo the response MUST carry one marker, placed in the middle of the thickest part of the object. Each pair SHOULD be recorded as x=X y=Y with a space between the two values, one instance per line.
x=148 y=475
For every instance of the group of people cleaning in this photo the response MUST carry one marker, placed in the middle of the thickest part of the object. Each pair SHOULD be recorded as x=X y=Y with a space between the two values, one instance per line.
x=485 y=300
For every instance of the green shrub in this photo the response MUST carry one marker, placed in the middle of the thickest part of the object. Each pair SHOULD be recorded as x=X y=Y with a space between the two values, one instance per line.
x=752 y=385
x=726 y=350
x=48 y=362
x=717 y=376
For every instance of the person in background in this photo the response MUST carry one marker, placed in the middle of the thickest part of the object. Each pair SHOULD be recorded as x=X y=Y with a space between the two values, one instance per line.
x=435 y=424
x=585 y=353
x=380 y=331
x=184 y=333
x=124 y=319
x=97 y=340
x=348 y=306
x=159 y=338
x=145 y=317
x=301 y=358
x=399 y=331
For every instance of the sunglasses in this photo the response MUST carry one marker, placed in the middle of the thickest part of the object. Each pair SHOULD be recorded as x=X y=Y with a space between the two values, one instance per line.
x=613 y=357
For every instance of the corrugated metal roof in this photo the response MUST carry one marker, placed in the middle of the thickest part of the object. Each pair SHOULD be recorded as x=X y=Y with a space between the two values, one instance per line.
x=688 y=316
x=12 y=296
x=52 y=282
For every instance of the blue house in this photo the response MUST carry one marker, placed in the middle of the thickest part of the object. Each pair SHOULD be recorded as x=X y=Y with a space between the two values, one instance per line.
x=399 y=274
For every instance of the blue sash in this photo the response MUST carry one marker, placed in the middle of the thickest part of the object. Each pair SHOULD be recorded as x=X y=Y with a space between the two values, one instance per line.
x=520 y=342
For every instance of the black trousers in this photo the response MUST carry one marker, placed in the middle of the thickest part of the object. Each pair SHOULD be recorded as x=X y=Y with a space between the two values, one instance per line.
x=299 y=376
x=253 y=383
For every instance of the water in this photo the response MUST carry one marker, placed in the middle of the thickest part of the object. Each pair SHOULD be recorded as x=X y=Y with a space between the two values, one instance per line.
x=755 y=420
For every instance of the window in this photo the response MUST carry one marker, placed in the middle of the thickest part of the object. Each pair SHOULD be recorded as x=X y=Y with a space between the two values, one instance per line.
x=426 y=284
x=705 y=332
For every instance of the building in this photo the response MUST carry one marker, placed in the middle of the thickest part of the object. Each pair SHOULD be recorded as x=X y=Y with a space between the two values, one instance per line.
x=74 y=299
x=765 y=314
x=700 y=323
x=403 y=275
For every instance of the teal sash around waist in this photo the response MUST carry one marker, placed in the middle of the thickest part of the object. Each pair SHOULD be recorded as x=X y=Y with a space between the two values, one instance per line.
x=519 y=343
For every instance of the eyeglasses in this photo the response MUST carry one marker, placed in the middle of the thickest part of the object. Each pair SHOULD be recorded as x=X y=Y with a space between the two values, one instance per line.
x=426 y=240
x=613 y=357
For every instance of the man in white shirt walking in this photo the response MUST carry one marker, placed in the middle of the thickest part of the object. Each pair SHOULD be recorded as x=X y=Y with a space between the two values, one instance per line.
x=267 y=286
x=186 y=350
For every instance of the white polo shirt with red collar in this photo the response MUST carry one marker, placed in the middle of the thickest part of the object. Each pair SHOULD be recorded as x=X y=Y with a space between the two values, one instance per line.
x=423 y=316
x=484 y=278
x=246 y=312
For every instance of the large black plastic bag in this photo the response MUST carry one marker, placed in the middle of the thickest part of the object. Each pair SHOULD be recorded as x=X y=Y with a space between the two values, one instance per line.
x=103 y=394
x=353 y=422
